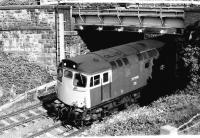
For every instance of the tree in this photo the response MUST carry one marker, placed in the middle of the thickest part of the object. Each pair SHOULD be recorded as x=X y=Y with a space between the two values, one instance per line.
x=190 y=52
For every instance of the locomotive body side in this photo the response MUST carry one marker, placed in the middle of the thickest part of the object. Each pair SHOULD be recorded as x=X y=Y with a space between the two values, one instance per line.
x=131 y=68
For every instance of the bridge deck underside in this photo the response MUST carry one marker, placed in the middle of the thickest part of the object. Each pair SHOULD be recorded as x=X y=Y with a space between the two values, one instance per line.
x=170 y=21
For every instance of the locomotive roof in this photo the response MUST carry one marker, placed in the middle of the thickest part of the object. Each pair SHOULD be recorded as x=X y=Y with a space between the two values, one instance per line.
x=98 y=61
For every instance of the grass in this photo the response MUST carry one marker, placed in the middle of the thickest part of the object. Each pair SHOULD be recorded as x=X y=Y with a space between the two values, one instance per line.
x=173 y=110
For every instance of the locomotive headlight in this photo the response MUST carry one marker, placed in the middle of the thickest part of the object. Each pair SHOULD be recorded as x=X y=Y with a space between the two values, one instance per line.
x=81 y=27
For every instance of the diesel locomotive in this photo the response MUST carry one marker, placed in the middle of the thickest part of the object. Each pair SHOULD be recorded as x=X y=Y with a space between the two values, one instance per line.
x=93 y=85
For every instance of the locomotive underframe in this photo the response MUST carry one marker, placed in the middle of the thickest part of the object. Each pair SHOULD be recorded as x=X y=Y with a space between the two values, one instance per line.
x=83 y=116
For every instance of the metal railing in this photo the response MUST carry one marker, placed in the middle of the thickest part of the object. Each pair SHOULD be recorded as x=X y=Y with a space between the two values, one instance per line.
x=195 y=2
x=33 y=93
x=189 y=124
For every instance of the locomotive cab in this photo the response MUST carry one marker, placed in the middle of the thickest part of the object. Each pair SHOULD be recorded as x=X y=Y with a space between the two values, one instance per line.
x=72 y=86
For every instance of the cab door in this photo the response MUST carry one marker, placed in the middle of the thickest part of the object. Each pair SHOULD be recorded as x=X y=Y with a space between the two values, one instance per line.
x=65 y=88
x=106 y=85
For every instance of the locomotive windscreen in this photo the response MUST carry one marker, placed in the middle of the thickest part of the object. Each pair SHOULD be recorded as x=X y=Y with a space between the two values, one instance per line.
x=68 y=64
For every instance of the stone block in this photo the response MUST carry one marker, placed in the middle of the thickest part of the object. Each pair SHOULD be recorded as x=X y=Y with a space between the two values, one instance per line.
x=168 y=130
x=70 y=33
x=52 y=50
x=42 y=41
x=47 y=45
x=44 y=36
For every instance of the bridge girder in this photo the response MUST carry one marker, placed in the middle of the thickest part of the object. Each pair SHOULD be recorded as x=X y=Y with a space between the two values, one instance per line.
x=137 y=20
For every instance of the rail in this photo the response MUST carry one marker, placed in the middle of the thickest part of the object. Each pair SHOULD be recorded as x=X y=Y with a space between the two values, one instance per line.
x=20 y=111
x=43 y=131
x=22 y=116
x=22 y=122
x=69 y=131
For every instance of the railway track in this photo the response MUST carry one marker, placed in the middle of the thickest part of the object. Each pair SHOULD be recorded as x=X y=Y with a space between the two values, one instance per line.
x=56 y=129
x=21 y=117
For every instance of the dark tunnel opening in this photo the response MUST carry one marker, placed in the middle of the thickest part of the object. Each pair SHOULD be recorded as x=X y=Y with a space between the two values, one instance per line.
x=166 y=78
x=96 y=40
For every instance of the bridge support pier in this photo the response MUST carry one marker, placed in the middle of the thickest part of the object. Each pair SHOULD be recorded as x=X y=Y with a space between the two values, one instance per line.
x=63 y=27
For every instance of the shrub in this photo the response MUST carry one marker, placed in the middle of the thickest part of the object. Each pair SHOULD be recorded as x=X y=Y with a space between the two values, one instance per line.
x=190 y=55
x=175 y=110
x=20 y=75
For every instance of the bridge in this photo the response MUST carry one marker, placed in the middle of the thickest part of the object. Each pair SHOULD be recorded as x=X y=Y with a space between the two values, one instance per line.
x=142 y=20
x=143 y=16
x=132 y=19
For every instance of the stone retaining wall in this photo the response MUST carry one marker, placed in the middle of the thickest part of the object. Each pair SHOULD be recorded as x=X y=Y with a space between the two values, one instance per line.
x=36 y=45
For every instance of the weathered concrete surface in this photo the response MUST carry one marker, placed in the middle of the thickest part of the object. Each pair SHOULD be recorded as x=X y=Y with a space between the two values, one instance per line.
x=191 y=16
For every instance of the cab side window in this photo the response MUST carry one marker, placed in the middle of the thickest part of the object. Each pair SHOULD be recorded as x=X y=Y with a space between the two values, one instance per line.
x=91 y=82
x=125 y=60
x=119 y=62
x=105 y=77
x=147 y=64
x=96 y=80
x=113 y=64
